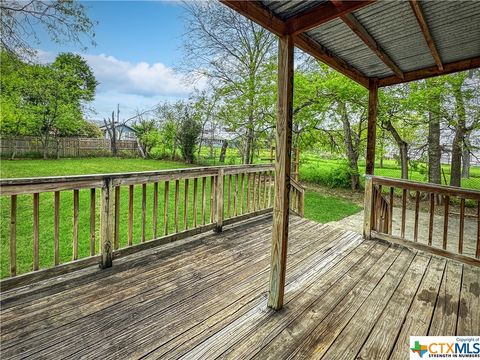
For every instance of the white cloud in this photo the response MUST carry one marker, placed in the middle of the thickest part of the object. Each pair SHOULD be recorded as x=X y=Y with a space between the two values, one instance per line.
x=132 y=85
x=141 y=78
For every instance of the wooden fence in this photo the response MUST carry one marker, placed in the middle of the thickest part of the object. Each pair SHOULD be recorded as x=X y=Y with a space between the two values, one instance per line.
x=439 y=229
x=66 y=147
x=167 y=205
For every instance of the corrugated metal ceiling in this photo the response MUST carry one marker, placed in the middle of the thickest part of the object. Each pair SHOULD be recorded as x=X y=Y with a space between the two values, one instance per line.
x=454 y=25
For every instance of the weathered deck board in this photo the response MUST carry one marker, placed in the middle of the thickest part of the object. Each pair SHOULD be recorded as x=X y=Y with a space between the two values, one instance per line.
x=205 y=297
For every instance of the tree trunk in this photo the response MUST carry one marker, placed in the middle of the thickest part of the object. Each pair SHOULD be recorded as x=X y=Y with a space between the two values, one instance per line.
x=402 y=147
x=249 y=147
x=351 y=152
x=223 y=151
x=434 y=149
x=457 y=145
x=466 y=159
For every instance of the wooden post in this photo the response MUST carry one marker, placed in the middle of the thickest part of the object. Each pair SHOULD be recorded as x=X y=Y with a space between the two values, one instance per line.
x=372 y=126
x=367 y=211
x=282 y=169
x=106 y=224
x=219 y=202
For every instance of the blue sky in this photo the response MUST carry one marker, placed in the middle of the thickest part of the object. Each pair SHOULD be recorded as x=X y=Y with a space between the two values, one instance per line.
x=138 y=47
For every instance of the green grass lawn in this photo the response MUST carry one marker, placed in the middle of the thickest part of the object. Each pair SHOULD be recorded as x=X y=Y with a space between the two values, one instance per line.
x=317 y=207
x=324 y=209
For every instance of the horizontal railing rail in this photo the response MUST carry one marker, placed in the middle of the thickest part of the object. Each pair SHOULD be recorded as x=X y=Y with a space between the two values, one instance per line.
x=64 y=223
x=440 y=219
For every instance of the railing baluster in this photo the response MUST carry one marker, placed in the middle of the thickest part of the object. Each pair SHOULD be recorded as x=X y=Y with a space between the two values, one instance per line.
x=219 y=201
x=166 y=199
x=75 y=225
x=131 y=192
x=229 y=194
x=445 y=222
x=155 y=209
x=271 y=181
x=204 y=198
x=390 y=215
x=36 y=203
x=185 y=205
x=417 y=208
x=432 y=218
x=92 y=222
x=177 y=186
x=258 y=187
x=461 y=225
x=13 y=235
x=378 y=203
x=235 y=196
x=242 y=192
x=195 y=201
x=144 y=211
x=116 y=236
x=248 y=192
x=212 y=193
x=106 y=224
x=404 y=212
x=254 y=184
x=267 y=188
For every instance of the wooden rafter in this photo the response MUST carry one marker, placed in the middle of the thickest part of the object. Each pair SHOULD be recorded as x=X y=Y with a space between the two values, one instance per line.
x=368 y=39
x=417 y=10
x=255 y=12
x=321 y=14
x=432 y=71
x=321 y=53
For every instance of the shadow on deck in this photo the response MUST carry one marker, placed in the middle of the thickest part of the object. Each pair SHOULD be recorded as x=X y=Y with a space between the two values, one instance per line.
x=205 y=297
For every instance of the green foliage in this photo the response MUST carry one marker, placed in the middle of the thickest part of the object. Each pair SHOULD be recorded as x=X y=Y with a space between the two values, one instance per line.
x=188 y=134
x=147 y=135
x=46 y=100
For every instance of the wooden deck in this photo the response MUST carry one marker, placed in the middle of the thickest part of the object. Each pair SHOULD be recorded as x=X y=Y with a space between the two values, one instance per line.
x=205 y=297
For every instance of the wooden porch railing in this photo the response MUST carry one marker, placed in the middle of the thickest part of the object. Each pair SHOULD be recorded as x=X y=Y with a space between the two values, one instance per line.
x=113 y=215
x=297 y=198
x=443 y=229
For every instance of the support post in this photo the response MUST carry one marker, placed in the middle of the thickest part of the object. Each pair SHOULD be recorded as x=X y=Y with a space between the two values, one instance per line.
x=106 y=224
x=282 y=170
x=372 y=126
x=220 y=205
x=367 y=211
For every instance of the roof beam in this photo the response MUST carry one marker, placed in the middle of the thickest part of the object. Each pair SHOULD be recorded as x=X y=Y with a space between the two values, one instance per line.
x=321 y=53
x=461 y=65
x=365 y=36
x=417 y=10
x=257 y=13
x=322 y=14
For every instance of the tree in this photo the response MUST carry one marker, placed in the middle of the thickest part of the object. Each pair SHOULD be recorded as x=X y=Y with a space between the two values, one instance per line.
x=147 y=135
x=63 y=20
x=188 y=134
x=49 y=99
x=237 y=56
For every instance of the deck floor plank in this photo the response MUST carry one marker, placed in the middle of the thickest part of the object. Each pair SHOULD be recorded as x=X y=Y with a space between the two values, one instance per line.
x=421 y=310
x=205 y=297
x=468 y=321
x=384 y=334
x=444 y=321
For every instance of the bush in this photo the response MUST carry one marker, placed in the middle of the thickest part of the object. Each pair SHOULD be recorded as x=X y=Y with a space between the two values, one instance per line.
x=340 y=177
x=336 y=176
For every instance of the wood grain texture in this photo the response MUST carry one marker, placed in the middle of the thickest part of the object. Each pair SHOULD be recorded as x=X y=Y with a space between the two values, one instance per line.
x=93 y=213
x=36 y=205
x=166 y=200
x=13 y=235
x=371 y=126
x=282 y=170
x=116 y=238
x=205 y=296
x=131 y=192
x=75 y=224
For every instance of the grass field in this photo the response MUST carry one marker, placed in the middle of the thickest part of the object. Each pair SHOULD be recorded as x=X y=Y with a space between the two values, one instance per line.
x=318 y=207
